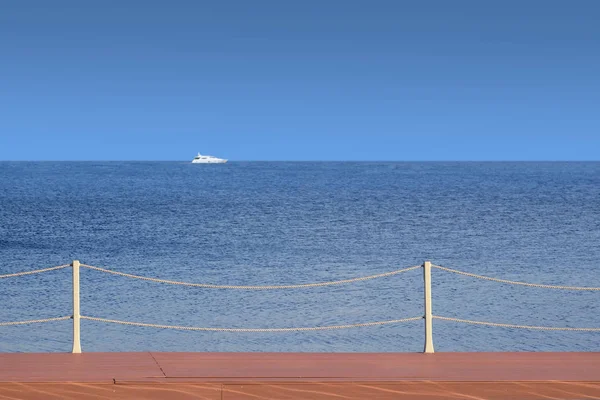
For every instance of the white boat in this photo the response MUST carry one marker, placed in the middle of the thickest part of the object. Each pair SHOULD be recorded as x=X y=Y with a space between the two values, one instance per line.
x=200 y=159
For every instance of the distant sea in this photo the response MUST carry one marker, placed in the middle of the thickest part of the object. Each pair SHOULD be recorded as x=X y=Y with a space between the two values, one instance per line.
x=252 y=223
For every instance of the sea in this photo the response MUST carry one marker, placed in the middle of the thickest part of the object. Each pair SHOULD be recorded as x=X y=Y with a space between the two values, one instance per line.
x=287 y=223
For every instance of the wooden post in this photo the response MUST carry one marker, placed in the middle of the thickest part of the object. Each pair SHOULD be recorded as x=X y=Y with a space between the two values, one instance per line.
x=76 y=314
x=428 y=314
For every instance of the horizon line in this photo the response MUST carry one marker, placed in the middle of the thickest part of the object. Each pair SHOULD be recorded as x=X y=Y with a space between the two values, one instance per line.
x=306 y=161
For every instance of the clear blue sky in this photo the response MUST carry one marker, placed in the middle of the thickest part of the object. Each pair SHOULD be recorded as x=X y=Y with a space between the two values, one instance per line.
x=300 y=80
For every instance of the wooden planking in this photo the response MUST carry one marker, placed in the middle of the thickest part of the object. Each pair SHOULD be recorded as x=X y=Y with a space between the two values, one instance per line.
x=415 y=390
x=292 y=391
x=100 y=391
x=86 y=367
x=320 y=376
x=381 y=366
x=237 y=376
x=233 y=367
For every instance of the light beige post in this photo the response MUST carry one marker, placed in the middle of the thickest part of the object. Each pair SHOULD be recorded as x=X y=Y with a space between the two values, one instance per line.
x=76 y=314
x=428 y=314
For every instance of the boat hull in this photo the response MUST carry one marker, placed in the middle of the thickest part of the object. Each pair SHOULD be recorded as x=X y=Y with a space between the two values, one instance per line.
x=218 y=161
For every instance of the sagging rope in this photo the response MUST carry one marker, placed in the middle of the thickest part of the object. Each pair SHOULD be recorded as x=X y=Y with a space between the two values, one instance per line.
x=34 y=321
x=37 y=271
x=298 y=329
x=250 y=287
x=538 y=285
x=544 y=328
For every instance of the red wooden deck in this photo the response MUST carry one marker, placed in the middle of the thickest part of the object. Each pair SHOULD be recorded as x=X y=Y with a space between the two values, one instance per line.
x=300 y=375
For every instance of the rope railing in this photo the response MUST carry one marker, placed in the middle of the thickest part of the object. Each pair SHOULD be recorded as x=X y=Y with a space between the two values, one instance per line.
x=543 y=328
x=428 y=316
x=37 y=271
x=302 y=285
x=296 y=329
x=536 y=285
x=252 y=287
x=332 y=327
x=34 y=321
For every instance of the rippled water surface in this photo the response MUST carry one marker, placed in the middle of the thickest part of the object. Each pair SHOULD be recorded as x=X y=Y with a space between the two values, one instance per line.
x=285 y=223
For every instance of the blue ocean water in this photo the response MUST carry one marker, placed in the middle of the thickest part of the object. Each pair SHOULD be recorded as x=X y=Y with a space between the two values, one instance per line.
x=253 y=223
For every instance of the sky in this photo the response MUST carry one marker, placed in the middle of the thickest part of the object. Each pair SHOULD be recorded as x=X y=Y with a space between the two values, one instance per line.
x=300 y=80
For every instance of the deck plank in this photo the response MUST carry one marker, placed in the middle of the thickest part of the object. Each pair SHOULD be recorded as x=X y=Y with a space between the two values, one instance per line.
x=424 y=390
x=381 y=366
x=86 y=367
x=235 y=376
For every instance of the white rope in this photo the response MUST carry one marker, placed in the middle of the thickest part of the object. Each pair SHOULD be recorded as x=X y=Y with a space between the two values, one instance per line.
x=34 y=321
x=247 y=287
x=538 y=285
x=543 y=328
x=301 y=329
x=37 y=271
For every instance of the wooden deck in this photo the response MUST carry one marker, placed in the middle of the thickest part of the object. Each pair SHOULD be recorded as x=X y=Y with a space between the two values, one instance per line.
x=300 y=376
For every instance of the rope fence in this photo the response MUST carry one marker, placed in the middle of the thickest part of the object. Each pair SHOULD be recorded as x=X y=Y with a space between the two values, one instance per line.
x=428 y=316
x=302 y=285
x=37 y=271
x=299 y=329
x=249 y=287
x=34 y=321
x=541 y=328
x=536 y=285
